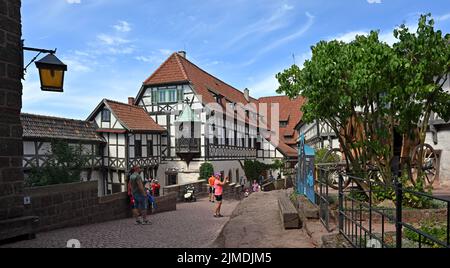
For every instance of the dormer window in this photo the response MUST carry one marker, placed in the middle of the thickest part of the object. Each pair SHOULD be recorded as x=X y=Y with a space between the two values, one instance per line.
x=106 y=115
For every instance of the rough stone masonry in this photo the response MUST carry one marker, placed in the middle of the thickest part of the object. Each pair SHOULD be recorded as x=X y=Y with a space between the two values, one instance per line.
x=11 y=66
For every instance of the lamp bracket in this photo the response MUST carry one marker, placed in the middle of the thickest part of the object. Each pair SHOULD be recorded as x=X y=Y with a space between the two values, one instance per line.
x=40 y=51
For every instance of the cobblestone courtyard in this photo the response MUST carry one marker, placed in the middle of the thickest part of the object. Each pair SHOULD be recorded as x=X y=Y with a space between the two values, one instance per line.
x=190 y=226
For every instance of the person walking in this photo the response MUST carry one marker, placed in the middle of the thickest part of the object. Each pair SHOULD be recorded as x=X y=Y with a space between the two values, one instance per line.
x=139 y=196
x=211 y=187
x=218 y=192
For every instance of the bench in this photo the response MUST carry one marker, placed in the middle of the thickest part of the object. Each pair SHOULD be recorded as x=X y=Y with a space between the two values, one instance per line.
x=288 y=213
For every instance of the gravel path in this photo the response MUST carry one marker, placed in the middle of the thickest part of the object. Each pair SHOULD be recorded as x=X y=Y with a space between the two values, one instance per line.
x=190 y=226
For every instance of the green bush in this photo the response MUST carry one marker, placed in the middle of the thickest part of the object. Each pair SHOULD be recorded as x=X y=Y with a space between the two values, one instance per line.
x=320 y=156
x=434 y=229
x=64 y=165
x=206 y=170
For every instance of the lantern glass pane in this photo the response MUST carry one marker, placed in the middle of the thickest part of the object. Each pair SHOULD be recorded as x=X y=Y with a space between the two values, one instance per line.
x=52 y=79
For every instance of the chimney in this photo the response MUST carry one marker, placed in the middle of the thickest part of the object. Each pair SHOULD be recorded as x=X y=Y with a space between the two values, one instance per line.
x=130 y=100
x=182 y=53
x=247 y=94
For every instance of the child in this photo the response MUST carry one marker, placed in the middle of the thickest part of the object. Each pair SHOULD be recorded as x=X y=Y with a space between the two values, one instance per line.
x=255 y=186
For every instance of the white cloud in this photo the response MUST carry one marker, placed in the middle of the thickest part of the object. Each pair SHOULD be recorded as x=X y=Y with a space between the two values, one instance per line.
x=276 y=21
x=112 y=44
x=76 y=65
x=144 y=58
x=292 y=36
x=374 y=1
x=156 y=57
x=386 y=36
x=112 y=40
x=123 y=26
x=443 y=17
x=282 y=41
x=165 y=51
x=73 y=1
x=265 y=87
x=349 y=36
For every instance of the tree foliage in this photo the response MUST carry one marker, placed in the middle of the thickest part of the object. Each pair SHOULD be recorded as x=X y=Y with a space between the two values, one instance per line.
x=206 y=171
x=65 y=163
x=367 y=91
x=253 y=169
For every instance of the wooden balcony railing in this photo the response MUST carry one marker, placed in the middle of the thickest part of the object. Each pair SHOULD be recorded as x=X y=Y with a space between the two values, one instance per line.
x=187 y=145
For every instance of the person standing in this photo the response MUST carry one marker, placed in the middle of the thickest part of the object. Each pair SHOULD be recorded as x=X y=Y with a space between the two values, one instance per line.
x=218 y=188
x=211 y=188
x=255 y=186
x=155 y=188
x=139 y=196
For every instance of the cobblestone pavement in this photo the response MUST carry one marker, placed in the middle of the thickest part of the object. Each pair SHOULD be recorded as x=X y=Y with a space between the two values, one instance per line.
x=192 y=225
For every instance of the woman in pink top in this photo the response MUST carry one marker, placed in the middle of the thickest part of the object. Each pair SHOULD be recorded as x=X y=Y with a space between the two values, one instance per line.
x=218 y=191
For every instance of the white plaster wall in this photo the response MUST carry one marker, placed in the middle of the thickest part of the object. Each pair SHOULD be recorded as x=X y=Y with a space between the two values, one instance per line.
x=444 y=145
x=28 y=148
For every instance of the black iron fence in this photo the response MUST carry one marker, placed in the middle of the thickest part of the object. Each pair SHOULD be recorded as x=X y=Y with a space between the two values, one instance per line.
x=374 y=214
x=323 y=197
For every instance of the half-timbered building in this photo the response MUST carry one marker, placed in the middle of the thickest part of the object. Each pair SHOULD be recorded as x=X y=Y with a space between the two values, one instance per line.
x=290 y=116
x=40 y=131
x=132 y=138
x=227 y=121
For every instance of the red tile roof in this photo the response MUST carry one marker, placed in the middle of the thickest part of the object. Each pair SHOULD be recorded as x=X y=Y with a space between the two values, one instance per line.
x=289 y=110
x=49 y=127
x=133 y=118
x=179 y=69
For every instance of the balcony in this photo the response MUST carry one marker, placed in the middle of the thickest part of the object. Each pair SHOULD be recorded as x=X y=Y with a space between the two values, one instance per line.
x=187 y=146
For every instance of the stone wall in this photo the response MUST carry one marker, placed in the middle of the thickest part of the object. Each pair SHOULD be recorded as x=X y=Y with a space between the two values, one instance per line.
x=11 y=64
x=76 y=204
x=230 y=191
x=178 y=189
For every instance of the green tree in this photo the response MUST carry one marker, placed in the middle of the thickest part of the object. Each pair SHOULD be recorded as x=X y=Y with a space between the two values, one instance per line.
x=425 y=58
x=277 y=165
x=381 y=89
x=206 y=170
x=64 y=164
x=253 y=169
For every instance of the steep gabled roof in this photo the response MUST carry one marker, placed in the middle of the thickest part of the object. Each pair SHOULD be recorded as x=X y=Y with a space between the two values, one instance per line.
x=48 y=127
x=290 y=111
x=171 y=71
x=133 y=118
x=178 y=69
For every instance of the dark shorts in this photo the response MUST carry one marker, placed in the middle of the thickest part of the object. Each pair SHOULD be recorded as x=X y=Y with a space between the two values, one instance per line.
x=140 y=202
x=218 y=198
x=211 y=189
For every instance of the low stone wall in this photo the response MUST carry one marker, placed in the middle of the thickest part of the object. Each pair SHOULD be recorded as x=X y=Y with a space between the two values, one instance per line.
x=230 y=191
x=178 y=189
x=75 y=204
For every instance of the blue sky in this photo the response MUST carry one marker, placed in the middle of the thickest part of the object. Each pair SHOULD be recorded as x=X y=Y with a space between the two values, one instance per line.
x=112 y=46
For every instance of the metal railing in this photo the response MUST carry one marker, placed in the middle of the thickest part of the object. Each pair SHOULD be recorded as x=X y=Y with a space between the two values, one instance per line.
x=365 y=222
x=187 y=145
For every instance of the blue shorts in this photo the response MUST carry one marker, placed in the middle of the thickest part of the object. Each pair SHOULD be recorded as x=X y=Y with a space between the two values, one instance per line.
x=140 y=202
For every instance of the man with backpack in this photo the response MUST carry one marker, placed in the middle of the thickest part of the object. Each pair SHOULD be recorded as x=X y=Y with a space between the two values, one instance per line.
x=139 y=196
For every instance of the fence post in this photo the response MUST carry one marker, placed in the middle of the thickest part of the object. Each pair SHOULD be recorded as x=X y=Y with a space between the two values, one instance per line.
x=341 y=203
x=398 y=213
